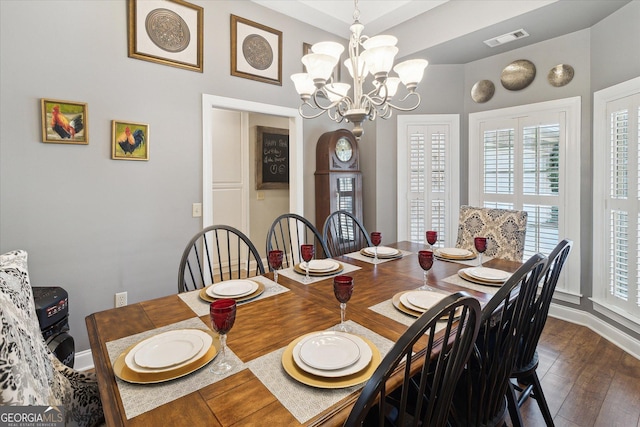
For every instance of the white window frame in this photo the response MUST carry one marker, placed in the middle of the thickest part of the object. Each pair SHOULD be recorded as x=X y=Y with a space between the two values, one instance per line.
x=601 y=185
x=452 y=171
x=568 y=288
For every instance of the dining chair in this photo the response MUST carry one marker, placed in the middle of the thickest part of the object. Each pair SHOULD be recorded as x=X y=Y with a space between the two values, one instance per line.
x=288 y=232
x=526 y=362
x=29 y=373
x=505 y=230
x=436 y=368
x=343 y=233
x=215 y=254
x=480 y=399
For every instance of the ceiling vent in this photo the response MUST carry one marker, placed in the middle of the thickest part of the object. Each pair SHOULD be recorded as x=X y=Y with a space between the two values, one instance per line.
x=506 y=38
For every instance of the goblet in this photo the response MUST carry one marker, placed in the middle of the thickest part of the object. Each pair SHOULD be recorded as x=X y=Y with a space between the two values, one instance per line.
x=425 y=258
x=223 y=314
x=481 y=245
x=376 y=239
x=432 y=238
x=307 y=252
x=342 y=289
x=275 y=262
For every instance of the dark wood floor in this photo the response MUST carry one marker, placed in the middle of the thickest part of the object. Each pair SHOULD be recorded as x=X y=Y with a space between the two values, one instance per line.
x=587 y=380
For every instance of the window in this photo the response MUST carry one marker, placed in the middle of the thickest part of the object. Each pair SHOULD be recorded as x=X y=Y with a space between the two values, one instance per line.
x=527 y=158
x=428 y=177
x=616 y=201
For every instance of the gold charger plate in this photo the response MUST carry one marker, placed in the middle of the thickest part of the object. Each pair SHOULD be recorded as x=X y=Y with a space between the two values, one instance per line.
x=206 y=297
x=323 y=382
x=301 y=270
x=462 y=273
x=122 y=371
x=440 y=255
x=403 y=308
x=368 y=255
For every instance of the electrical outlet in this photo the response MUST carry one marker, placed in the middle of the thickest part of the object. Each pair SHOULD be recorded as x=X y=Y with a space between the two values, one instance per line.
x=121 y=299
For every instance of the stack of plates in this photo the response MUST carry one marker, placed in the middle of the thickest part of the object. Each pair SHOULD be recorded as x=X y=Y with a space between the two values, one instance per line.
x=454 y=254
x=330 y=359
x=165 y=356
x=414 y=303
x=319 y=267
x=484 y=275
x=384 y=252
x=238 y=289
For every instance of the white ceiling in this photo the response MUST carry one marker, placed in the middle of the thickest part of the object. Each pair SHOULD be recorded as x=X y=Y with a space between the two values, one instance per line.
x=450 y=31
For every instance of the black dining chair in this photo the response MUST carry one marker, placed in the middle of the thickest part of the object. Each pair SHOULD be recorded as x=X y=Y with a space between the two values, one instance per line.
x=344 y=233
x=439 y=366
x=288 y=232
x=480 y=399
x=215 y=254
x=524 y=371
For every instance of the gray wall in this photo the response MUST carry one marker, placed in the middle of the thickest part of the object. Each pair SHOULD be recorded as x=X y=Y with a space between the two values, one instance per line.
x=97 y=226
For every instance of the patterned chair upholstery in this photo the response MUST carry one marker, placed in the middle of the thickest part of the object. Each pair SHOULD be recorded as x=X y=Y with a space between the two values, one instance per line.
x=505 y=230
x=29 y=373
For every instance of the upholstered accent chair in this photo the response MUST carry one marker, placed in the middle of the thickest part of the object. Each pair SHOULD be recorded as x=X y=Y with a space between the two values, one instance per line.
x=505 y=230
x=29 y=373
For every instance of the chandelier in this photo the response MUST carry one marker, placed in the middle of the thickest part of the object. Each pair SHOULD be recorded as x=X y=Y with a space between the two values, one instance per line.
x=375 y=55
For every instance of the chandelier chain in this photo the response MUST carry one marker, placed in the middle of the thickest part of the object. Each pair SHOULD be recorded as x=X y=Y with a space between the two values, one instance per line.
x=356 y=11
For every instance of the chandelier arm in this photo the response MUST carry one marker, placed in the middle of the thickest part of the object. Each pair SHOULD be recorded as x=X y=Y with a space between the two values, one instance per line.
x=411 y=108
x=311 y=116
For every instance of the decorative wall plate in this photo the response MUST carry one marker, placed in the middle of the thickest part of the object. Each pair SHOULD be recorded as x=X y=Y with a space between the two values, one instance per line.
x=518 y=75
x=482 y=91
x=560 y=75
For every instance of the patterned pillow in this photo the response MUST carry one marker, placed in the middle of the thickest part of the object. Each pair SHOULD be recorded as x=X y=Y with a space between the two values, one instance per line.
x=505 y=230
x=29 y=373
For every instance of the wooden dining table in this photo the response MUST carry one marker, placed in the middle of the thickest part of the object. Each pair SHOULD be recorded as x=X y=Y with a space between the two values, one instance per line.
x=261 y=327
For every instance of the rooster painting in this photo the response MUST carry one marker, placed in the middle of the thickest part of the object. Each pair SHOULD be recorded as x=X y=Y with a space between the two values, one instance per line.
x=129 y=142
x=64 y=127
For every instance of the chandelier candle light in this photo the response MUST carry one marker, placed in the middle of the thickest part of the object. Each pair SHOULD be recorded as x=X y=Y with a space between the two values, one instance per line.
x=373 y=55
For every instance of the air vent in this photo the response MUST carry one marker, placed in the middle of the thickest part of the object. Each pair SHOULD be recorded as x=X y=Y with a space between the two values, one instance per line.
x=506 y=38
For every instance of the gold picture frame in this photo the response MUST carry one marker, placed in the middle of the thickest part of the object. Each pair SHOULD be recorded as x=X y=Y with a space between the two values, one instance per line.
x=129 y=140
x=167 y=32
x=64 y=122
x=256 y=51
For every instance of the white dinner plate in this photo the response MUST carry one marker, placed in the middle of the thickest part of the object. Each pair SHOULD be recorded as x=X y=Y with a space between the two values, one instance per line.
x=205 y=339
x=490 y=274
x=454 y=252
x=421 y=300
x=382 y=250
x=232 y=288
x=329 y=351
x=362 y=362
x=320 y=265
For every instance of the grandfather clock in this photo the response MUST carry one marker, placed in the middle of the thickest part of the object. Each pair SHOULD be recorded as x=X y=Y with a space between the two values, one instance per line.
x=338 y=176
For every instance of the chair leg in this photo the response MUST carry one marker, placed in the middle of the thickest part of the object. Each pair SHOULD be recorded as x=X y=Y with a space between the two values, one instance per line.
x=542 y=402
x=512 y=404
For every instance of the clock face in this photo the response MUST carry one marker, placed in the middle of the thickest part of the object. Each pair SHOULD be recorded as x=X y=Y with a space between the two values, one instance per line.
x=344 y=150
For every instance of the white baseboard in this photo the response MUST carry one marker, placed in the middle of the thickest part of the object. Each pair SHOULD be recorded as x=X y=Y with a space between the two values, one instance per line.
x=599 y=326
x=83 y=361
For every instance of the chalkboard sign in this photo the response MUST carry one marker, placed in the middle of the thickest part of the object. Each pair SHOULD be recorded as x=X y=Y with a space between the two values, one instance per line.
x=272 y=158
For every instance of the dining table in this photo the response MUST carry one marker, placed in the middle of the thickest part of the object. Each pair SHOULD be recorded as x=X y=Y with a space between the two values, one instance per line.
x=260 y=390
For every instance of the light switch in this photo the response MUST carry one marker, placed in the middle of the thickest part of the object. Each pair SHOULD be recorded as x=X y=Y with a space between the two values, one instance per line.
x=196 y=210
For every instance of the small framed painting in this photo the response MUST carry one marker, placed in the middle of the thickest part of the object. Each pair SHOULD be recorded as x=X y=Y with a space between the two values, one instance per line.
x=168 y=32
x=256 y=51
x=129 y=140
x=64 y=122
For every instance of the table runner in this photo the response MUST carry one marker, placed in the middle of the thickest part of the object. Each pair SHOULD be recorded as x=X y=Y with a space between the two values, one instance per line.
x=305 y=402
x=357 y=255
x=291 y=274
x=201 y=308
x=140 y=398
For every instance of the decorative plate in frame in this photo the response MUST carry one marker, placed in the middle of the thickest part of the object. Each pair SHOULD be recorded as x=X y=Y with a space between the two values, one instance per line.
x=256 y=51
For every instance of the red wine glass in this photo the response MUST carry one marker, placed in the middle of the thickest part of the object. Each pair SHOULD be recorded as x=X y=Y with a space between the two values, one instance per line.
x=376 y=239
x=432 y=238
x=223 y=314
x=342 y=289
x=425 y=258
x=275 y=262
x=481 y=245
x=307 y=252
